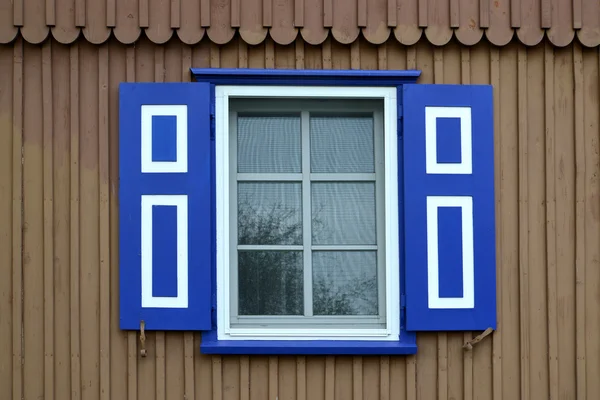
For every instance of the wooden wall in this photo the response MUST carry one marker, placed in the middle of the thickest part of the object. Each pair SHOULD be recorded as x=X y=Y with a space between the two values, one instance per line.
x=59 y=335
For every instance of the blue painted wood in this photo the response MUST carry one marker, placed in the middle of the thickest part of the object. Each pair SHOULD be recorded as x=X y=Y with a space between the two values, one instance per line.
x=406 y=345
x=448 y=140
x=450 y=250
x=196 y=184
x=418 y=185
x=306 y=77
x=164 y=137
x=164 y=251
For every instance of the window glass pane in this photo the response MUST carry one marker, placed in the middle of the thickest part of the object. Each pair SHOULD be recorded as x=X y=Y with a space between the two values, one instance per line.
x=269 y=144
x=343 y=213
x=270 y=283
x=269 y=213
x=345 y=283
x=341 y=144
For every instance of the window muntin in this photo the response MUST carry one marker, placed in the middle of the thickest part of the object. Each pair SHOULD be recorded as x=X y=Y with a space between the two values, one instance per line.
x=307 y=207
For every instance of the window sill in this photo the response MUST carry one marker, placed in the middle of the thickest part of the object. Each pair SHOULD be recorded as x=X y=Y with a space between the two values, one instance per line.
x=210 y=345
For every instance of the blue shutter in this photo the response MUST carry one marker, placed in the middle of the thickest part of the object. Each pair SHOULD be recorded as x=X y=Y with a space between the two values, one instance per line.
x=449 y=207
x=165 y=206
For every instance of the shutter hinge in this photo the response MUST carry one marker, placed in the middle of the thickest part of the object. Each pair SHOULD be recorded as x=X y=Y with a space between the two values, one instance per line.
x=402 y=301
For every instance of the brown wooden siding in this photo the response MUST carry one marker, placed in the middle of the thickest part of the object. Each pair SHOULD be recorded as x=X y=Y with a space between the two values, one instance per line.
x=59 y=335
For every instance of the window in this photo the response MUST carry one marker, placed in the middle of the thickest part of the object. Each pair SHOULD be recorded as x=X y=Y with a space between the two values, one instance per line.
x=307 y=209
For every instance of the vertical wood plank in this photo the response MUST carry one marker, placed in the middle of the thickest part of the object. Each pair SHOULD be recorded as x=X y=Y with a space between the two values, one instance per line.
x=33 y=236
x=132 y=376
x=362 y=13
x=326 y=54
x=454 y=14
x=215 y=57
x=497 y=338
x=508 y=195
x=235 y=14
x=48 y=220
x=217 y=378
x=382 y=57
x=89 y=222
x=327 y=13
x=384 y=378
x=524 y=304
x=205 y=13
x=50 y=13
x=17 y=220
x=267 y=13
x=160 y=377
x=465 y=78
x=301 y=378
x=74 y=227
x=580 y=223
x=411 y=57
x=355 y=55
x=242 y=54
x=131 y=366
x=48 y=184
x=357 y=377
x=188 y=354
x=442 y=361
x=18 y=12
x=591 y=86
x=538 y=322
x=269 y=53
x=143 y=13
x=104 y=237
x=551 y=220
x=299 y=53
x=329 y=378
x=392 y=14
x=244 y=378
x=175 y=14
x=565 y=219
x=273 y=377
x=299 y=13
x=111 y=13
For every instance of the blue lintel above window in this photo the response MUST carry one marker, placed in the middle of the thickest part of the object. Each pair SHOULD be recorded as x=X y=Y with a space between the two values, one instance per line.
x=304 y=77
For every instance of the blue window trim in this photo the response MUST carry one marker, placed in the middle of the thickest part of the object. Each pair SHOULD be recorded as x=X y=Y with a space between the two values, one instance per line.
x=304 y=77
x=407 y=343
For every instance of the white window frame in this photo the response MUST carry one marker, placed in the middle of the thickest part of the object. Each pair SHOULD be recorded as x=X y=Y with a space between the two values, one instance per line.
x=391 y=331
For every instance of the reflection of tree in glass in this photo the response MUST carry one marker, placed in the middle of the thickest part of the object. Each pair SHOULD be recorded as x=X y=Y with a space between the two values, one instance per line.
x=272 y=223
x=270 y=282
